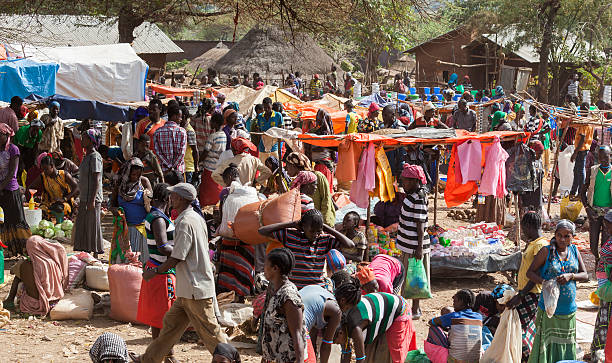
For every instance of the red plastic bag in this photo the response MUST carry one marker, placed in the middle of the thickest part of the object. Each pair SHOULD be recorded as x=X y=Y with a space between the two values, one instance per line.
x=124 y=284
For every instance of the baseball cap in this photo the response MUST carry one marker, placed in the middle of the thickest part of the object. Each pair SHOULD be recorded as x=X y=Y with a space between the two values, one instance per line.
x=185 y=190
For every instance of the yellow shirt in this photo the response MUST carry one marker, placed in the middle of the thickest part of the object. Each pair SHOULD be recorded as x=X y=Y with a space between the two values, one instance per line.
x=189 y=165
x=528 y=256
x=352 y=120
x=587 y=131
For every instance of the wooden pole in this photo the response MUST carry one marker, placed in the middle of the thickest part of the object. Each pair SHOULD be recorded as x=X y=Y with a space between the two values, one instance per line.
x=517 y=223
x=436 y=191
x=552 y=181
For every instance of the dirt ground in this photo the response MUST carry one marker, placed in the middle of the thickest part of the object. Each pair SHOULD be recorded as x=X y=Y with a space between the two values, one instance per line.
x=29 y=339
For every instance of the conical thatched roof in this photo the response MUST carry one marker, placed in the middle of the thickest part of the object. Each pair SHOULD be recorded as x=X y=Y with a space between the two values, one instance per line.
x=208 y=58
x=270 y=51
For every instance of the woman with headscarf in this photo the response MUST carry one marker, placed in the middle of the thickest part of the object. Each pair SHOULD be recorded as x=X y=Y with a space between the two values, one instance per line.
x=370 y=123
x=14 y=232
x=306 y=183
x=248 y=164
x=279 y=181
x=58 y=189
x=62 y=163
x=226 y=353
x=87 y=231
x=131 y=195
x=44 y=276
x=322 y=199
x=555 y=338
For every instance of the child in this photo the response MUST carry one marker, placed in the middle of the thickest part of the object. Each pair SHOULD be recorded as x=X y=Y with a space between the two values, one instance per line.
x=389 y=273
x=309 y=240
x=412 y=239
x=464 y=340
x=350 y=228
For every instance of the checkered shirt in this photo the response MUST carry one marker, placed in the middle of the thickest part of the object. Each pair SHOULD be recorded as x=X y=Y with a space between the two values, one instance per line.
x=170 y=143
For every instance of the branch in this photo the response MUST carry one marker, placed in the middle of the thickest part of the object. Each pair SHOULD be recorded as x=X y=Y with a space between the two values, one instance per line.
x=198 y=14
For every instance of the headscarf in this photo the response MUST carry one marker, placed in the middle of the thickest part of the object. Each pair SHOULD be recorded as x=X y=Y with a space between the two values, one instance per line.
x=299 y=160
x=335 y=260
x=373 y=108
x=58 y=158
x=564 y=223
x=228 y=112
x=415 y=172
x=240 y=145
x=32 y=115
x=536 y=145
x=40 y=157
x=140 y=113
x=95 y=136
x=227 y=351
x=128 y=189
x=499 y=91
x=303 y=178
x=365 y=275
x=323 y=123
x=109 y=346
x=518 y=107
x=275 y=167
x=498 y=291
x=54 y=103
x=6 y=130
x=497 y=117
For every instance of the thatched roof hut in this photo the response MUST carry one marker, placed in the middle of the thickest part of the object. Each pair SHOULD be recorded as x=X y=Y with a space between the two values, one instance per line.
x=272 y=52
x=209 y=58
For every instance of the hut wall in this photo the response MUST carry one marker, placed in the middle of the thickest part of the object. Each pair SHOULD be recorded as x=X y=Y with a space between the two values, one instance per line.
x=156 y=61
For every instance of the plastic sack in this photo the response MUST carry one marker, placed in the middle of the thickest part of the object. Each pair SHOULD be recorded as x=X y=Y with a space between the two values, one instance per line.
x=235 y=314
x=238 y=197
x=77 y=304
x=76 y=271
x=124 y=282
x=550 y=294
x=520 y=173
x=507 y=343
x=416 y=284
x=284 y=208
x=570 y=209
x=566 y=169
x=96 y=277
x=416 y=356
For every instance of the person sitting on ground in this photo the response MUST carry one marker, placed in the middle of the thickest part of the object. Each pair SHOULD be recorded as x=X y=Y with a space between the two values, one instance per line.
x=321 y=315
x=306 y=182
x=58 y=189
x=389 y=273
x=334 y=262
x=427 y=119
x=152 y=170
x=463 y=343
x=44 y=275
x=350 y=228
x=67 y=165
x=379 y=325
x=226 y=353
x=310 y=240
x=371 y=123
x=486 y=303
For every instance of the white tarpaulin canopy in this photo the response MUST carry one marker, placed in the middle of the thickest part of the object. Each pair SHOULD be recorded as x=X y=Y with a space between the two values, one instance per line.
x=107 y=73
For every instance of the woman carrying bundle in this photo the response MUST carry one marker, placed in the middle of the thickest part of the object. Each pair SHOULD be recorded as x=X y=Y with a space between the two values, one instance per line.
x=380 y=325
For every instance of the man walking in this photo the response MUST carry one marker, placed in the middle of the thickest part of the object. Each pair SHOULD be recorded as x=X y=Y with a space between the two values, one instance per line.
x=195 y=287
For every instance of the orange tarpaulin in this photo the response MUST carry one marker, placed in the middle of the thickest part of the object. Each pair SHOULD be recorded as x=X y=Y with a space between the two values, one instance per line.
x=308 y=111
x=171 y=91
x=461 y=135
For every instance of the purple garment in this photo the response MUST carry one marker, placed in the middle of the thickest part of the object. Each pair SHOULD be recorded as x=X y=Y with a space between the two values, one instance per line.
x=389 y=212
x=5 y=158
x=470 y=154
x=366 y=179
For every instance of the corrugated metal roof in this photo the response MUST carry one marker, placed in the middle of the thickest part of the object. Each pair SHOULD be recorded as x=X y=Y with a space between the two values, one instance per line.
x=67 y=30
x=525 y=51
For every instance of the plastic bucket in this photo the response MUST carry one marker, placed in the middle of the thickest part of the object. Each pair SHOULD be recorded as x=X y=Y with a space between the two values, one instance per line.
x=33 y=216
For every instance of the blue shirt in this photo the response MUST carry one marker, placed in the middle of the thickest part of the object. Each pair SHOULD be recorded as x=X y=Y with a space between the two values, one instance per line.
x=135 y=212
x=116 y=154
x=314 y=298
x=275 y=120
x=554 y=267
x=463 y=314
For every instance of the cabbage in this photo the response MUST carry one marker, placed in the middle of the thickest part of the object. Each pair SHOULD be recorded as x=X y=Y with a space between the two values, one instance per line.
x=67 y=225
x=60 y=233
x=68 y=233
x=49 y=233
x=57 y=226
x=34 y=229
x=45 y=224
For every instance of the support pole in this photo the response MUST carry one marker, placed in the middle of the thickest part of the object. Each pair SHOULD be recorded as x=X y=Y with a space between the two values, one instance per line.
x=552 y=181
x=517 y=223
x=436 y=190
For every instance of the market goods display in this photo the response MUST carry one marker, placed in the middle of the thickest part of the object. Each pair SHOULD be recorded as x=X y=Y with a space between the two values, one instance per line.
x=467 y=215
x=48 y=230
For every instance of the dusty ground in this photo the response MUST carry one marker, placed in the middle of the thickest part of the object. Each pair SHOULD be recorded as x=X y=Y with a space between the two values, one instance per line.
x=28 y=339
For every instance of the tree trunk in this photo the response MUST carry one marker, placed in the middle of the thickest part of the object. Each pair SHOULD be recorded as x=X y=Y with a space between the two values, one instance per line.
x=550 y=11
x=128 y=21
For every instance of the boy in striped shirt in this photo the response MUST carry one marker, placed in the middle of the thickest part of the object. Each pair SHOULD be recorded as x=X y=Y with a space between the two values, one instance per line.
x=412 y=238
x=309 y=240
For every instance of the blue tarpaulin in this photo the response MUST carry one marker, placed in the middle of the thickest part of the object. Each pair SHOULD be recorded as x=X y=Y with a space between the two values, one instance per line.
x=367 y=100
x=21 y=77
x=71 y=107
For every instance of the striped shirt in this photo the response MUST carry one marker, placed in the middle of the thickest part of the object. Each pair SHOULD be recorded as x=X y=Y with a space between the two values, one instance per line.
x=465 y=335
x=380 y=310
x=307 y=203
x=414 y=210
x=215 y=145
x=201 y=126
x=155 y=256
x=309 y=256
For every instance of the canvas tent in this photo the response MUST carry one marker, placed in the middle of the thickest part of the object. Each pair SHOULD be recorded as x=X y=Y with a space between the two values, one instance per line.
x=106 y=73
x=22 y=77
x=271 y=52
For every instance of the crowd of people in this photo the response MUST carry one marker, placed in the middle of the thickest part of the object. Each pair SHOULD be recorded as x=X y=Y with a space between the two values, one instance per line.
x=320 y=286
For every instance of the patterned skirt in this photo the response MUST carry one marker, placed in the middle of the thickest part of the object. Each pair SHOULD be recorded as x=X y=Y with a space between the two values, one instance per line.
x=555 y=338
x=15 y=231
x=237 y=267
x=601 y=326
x=527 y=310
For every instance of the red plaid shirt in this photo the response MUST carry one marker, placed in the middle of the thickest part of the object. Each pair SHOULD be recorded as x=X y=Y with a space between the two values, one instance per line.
x=170 y=143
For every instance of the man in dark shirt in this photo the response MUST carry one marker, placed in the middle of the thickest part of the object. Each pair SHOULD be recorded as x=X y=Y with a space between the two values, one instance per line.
x=463 y=117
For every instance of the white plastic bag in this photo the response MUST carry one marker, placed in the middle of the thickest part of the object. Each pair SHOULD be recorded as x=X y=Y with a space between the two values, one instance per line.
x=238 y=197
x=566 y=169
x=550 y=294
x=506 y=346
x=96 y=277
